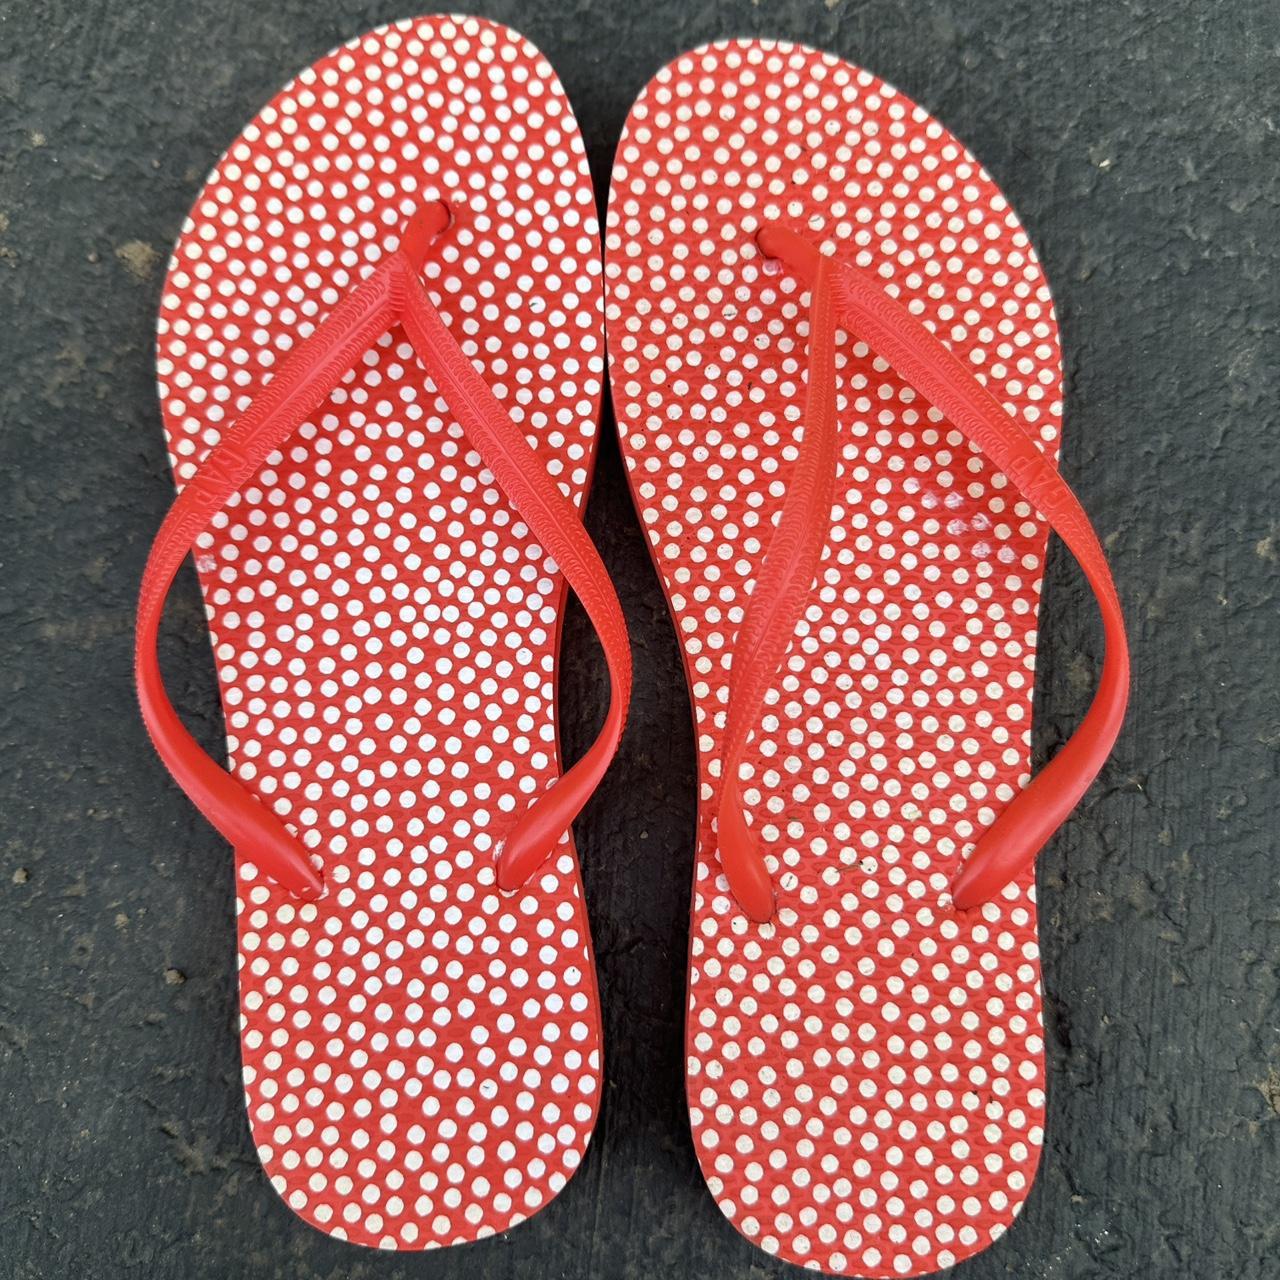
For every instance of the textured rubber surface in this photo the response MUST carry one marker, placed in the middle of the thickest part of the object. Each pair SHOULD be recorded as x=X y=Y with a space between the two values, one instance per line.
x=865 y=1072
x=421 y=1053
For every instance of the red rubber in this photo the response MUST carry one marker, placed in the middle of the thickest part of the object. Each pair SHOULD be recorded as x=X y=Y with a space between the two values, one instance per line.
x=852 y=557
x=392 y=295
x=778 y=597
x=383 y=436
x=868 y=313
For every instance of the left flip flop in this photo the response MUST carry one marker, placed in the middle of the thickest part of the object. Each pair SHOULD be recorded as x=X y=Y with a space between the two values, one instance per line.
x=380 y=354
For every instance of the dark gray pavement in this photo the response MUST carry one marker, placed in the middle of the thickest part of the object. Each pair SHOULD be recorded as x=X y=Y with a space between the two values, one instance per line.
x=1140 y=141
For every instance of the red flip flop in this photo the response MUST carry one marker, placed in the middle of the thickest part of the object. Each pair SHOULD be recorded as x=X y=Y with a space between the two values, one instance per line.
x=837 y=379
x=380 y=357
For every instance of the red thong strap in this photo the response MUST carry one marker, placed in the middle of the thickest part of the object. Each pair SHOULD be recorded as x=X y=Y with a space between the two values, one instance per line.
x=778 y=597
x=889 y=329
x=392 y=295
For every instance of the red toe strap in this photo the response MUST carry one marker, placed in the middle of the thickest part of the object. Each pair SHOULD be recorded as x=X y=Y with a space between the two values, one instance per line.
x=928 y=365
x=392 y=294
x=302 y=383
x=778 y=597
x=556 y=525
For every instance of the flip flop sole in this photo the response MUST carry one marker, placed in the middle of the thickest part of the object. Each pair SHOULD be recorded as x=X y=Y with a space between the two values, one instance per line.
x=421 y=1053
x=865 y=1072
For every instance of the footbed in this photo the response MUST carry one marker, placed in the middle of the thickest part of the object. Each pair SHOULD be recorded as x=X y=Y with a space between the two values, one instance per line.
x=421 y=1053
x=865 y=1072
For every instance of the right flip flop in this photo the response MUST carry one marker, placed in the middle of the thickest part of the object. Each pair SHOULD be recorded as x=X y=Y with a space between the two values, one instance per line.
x=838 y=386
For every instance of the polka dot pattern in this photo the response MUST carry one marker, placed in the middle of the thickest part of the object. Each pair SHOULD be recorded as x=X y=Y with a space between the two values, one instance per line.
x=421 y=1053
x=865 y=1072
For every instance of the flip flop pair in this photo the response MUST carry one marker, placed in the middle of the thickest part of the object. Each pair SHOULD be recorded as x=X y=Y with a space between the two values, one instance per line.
x=836 y=375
